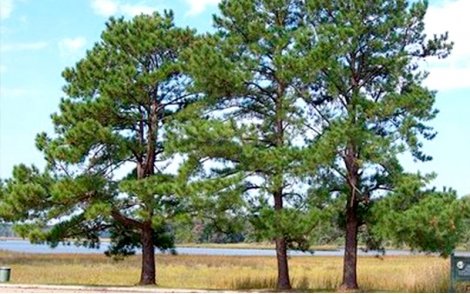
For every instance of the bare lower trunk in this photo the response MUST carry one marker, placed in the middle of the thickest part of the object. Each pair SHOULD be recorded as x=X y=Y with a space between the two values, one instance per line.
x=283 y=280
x=147 y=276
x=350 y=252
x=352 y=219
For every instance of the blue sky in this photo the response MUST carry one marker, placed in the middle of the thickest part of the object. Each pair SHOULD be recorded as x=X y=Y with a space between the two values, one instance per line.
x=39 y=38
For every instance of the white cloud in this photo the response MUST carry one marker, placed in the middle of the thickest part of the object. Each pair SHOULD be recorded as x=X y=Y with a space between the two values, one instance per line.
x=22 y=46
x=450 y=78
x=71 y=46
x=6 y=7
x=11 y=93
x=454 y=71
x=198 y=6
x=104 y=7
x=108 y=8
x=133 y=10
x=3 y=69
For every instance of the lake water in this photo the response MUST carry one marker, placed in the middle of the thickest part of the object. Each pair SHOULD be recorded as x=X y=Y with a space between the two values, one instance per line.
x=26 y=247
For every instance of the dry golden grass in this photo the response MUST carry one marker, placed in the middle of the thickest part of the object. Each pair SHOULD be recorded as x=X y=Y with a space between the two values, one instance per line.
x=403 y=274
x=252 y=245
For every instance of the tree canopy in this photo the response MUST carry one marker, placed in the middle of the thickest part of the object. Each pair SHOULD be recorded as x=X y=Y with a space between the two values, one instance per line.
x=107 y=165
x=371 y=105
x=250 y=119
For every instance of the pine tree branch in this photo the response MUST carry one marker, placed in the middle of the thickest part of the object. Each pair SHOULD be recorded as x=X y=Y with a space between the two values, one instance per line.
x=126 y=221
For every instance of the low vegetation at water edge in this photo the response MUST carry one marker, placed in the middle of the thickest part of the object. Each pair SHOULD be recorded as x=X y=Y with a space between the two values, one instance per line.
x=390 y=273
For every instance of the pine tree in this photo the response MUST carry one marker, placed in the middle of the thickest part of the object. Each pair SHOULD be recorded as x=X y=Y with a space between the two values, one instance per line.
x=370 y=103
x=252 y=120
x=107 y=161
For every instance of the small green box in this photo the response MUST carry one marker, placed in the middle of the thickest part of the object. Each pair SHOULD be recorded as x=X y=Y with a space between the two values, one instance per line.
x=4 y=274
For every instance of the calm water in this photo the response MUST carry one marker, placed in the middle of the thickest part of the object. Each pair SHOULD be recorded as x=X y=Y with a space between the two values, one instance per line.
x=27 y=247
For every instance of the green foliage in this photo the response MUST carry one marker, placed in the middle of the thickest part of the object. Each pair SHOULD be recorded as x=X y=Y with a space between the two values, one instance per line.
x=433 y=224
x=107 y=163
x=125 y=241
x=295 y=226
x=32 y=199
x=249 y=120
x=26 y=195
x=466 y=221
x=368 y=100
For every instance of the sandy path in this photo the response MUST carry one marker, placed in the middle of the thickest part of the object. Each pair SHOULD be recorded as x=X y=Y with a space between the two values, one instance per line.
x=23 y=288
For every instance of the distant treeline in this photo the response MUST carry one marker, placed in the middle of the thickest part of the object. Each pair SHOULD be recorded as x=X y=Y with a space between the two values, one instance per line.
x=6 y=230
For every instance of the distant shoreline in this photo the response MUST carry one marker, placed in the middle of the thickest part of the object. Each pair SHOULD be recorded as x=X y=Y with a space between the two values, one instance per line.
x=254 y=246
x=259 y=245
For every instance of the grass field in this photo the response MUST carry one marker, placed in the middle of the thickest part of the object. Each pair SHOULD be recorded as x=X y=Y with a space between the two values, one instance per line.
x=403 y=274
x=258 y=245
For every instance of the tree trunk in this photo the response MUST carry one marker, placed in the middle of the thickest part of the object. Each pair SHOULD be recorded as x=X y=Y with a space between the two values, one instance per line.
x=350 y=251
x=283 y=280
x=147 y=276
x=352 y=220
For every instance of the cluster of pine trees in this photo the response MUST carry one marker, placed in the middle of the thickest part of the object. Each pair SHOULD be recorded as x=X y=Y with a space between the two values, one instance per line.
x=292 y=114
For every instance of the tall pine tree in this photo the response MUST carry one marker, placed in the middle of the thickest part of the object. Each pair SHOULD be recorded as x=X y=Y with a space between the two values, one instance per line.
x=107 y=160
x=370 y=103
x=252 y=120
